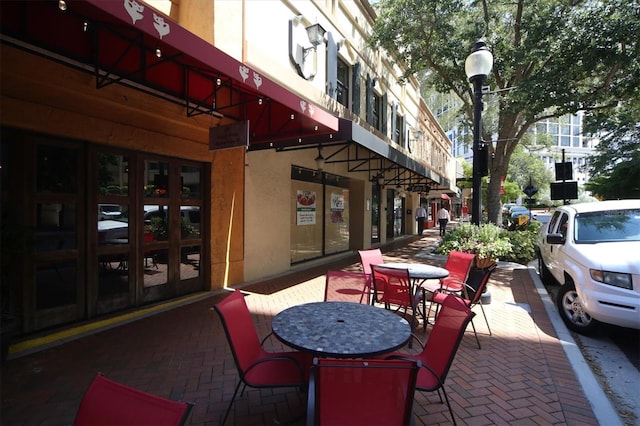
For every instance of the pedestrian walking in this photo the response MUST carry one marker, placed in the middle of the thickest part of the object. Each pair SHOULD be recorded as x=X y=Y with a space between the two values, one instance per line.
x=443 y=218
x=421 y=216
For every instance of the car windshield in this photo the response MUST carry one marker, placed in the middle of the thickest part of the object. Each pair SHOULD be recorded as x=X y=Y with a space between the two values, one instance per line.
x=610 y=225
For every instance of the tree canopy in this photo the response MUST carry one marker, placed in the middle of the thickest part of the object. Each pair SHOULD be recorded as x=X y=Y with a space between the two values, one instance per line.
x=615 y=167
x=551 y=58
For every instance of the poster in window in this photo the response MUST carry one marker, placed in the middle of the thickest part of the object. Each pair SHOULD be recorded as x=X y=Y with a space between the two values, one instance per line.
x=337 y=207
x=306 y=207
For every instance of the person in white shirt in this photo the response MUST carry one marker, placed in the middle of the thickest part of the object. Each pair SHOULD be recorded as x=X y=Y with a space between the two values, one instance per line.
x=443 y=218
x=421 y=216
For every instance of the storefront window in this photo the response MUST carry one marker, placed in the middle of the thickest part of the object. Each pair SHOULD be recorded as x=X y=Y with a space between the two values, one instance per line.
x=156 y=179
x=113 y=174
x=191 y=182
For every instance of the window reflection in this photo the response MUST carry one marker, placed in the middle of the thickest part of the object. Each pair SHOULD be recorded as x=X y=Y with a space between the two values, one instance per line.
x=189 y=262
x=156 y=263
x=57 y=170
x=113 y=174
x=55 y=226
x=190 y=182
x=156 y=175
x=189 y=222
x=113 y=224
x=56 y=285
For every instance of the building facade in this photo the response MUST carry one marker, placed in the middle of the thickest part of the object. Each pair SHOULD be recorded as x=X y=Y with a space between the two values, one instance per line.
x=152 y=150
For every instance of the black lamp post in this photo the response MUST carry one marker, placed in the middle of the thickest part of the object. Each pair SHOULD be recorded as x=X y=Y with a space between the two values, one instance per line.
x=477 y=66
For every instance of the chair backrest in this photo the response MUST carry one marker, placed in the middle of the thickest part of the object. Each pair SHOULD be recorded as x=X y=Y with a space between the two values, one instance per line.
x=474 y=290
x=240 y=330
x=370 y=257
x=361 y=392
x=397 y=285
x=110 y=403
x=458 y=264
x=346 y=286
x=446 y=335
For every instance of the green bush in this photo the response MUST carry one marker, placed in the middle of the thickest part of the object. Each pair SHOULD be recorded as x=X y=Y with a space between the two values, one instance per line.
x=488 y=240
x=524 y=240
x=485 y=241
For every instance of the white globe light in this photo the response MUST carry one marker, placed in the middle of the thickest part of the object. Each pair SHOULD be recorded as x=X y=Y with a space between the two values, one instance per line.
x=479 y=62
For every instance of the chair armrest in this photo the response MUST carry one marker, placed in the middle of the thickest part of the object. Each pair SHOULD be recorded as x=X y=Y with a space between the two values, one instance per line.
x=413 y=336
x=279 y=358
x=265 y=338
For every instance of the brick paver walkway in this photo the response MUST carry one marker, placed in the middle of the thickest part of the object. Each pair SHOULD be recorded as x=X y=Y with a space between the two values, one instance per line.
x=520 y=376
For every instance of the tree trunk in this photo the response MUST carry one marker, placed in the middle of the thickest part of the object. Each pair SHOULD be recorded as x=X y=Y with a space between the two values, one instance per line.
x=498 y=167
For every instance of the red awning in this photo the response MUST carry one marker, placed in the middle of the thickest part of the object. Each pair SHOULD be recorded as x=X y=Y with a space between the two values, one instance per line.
x=118 y=43
x=444 y=196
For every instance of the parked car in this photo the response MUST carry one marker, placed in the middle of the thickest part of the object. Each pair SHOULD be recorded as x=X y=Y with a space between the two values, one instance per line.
x=593 y=251
x=516 y=211
x=506 y=207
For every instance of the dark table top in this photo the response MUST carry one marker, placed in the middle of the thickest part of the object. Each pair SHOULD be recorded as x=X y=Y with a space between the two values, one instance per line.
x=341 y=329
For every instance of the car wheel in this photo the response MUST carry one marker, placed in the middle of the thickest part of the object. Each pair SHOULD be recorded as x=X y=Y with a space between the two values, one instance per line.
x=572 y=311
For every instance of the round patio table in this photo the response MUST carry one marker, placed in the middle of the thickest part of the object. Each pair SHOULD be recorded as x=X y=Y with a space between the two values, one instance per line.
x=341 y=329
x=419 y=271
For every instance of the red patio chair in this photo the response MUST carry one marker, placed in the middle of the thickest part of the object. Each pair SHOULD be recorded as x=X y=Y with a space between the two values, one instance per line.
x=346 y=286
x=397 y=289
x=472 y=296
x=361 y=392
x=368 y=258
x=257 y=368
x=110 y=403
x=458 y=264
x=441 y=347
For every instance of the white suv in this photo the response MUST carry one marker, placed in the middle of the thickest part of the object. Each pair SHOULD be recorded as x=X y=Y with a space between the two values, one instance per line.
x=593 y=251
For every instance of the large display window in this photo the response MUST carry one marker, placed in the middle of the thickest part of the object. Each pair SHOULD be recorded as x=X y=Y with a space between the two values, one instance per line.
x=319 y=214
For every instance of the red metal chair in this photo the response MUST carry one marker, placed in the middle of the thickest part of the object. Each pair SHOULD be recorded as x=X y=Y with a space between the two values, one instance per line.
x=368 y=258
x=458 y=264
x=361 y=392
x=346 y=286
x=472 y=296
x=397 y=289
x=441 y=347
x=110 y=403
x=257 y=368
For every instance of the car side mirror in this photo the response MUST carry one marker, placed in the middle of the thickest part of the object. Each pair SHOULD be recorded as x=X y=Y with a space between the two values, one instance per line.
x=555 y=239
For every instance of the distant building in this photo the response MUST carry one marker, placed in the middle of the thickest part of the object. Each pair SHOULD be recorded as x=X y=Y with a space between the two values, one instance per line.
x=566 y=131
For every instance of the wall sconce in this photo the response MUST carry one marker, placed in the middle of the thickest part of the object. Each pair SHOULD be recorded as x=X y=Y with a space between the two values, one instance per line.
x=319 y=159
x=316 y=36
x=304 y=38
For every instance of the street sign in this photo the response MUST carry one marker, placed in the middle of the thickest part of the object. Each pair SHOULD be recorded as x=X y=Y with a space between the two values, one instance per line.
x=564 y=171
x=530 y=190
x=564 y=190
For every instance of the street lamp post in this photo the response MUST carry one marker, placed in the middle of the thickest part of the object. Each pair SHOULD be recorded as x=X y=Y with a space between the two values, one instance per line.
x=477 y=67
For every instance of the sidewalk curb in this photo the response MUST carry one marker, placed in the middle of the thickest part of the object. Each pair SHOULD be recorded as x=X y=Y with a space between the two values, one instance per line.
x=600 y=404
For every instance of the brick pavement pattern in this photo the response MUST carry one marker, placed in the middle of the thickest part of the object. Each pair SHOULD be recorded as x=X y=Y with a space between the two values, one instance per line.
x=520 y=376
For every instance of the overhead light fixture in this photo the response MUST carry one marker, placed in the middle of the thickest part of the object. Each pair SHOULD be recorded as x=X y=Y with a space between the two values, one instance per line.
x=85 y=26
x=62 y=5
x=158 y=52
x=319 y=159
